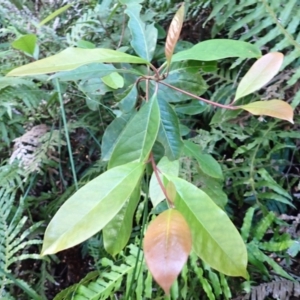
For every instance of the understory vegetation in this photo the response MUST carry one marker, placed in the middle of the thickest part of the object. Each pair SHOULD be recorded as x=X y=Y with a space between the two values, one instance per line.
x=62 y=129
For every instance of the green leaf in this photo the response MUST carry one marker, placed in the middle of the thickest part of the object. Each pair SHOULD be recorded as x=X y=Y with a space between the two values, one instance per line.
x=186 y=76
x=128 y=102
x=213 y=187
x=167 y=245
x=113 y=80
x=174 y=33
x=55 y=14
x=247 y=223
x=5 y=82
x=91 y=208
x=206 y=162
x=27 y=43
x=144 y=37
x=72 y=58
x=215 y=239
x=137 y=139
x=218 y=49
x=261 y=72
x=169 y=132
x=117 y=232
x=164 y=166
x=112 y=134
x=94 y=70
x=273 y=108
x=194 y=107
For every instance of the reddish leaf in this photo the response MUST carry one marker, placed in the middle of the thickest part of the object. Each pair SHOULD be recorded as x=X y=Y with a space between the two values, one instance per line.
x=167 y=245
x=261 y=72
x=273 y=108
x=174 y=33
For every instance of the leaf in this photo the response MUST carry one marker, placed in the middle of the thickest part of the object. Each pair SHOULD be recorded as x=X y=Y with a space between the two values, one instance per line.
x=113 y=80
x=128 y=102
x=72 y=58
x=273 y=108
x=27 y=43
x=213 y=187
x=164 y=166
x=144 y=37
x=94 y=70
x=137 y=139
x=216 y=49
x=117 y=232
x=169 y=132
x=91 y=208
x=171 y=191
x=215 y=239
x=112 y=134
x=174 y=33
x=206 y=162
x=183 y=75
x=167 y=245
x=55 y=14
x=5 y=82
x=261 y=72
x=194 y=107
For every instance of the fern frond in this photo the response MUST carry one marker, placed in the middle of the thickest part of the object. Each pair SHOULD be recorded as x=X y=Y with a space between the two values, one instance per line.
x=36 y=147
x=282 y=289
x=13 y=242
x=247 y=224
x=11 y=177
x=263 y=225
x=200 y=275
x=104 y=283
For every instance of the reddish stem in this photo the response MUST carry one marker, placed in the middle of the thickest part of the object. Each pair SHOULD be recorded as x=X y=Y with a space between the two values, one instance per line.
x=156 y=170
x=199 y=98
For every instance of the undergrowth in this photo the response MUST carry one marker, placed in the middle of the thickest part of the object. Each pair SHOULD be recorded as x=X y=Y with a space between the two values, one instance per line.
x=259 y=156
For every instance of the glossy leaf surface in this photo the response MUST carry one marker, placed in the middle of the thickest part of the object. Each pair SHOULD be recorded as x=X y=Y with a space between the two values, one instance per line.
x=113 y=80
x=191 y=108
x=94 y=70
x=164 y=166
x=183 y=75
x=144 y=36
x=174 y=33
x=216 y=49
x=91 y=208
x=137 y=139
x=167 y=245
x=261 y=72
x=206 y=162
x=272 y=108
x=169 y=132
x=117 y=232
x=72 y=58
x=112 y=134
x=215 y=239
x=128 y=102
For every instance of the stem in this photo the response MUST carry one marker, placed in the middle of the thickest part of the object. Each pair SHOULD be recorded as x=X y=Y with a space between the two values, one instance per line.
x=199 y=98
x=63 y=113
x=155 y=170
x=154 y=70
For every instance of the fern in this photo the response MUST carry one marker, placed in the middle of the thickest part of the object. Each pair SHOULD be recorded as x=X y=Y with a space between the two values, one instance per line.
x=268 y=24
x=36 y=148
x=278 y=243
x=14 y=242
x=281 y=289
x=103 y=284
